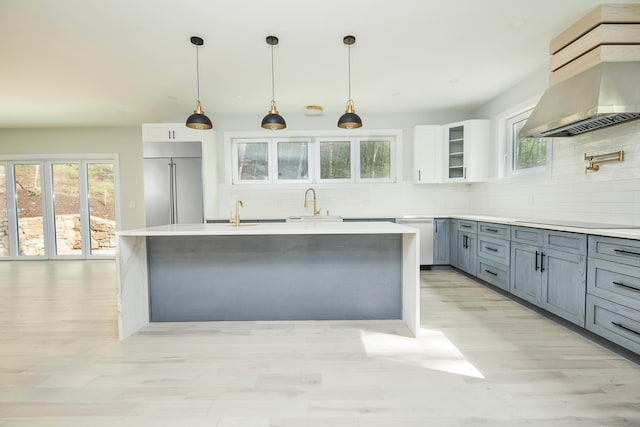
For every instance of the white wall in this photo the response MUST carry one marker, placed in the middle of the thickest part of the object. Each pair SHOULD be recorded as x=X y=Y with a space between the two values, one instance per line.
x=366 y=200
x=611 y=195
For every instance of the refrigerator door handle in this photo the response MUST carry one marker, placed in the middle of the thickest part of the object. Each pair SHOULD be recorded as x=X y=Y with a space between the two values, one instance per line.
x=171 y=195
x=174 y=191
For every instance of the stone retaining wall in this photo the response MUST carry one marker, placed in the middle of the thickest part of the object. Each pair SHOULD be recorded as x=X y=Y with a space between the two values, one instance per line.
x=68 y=233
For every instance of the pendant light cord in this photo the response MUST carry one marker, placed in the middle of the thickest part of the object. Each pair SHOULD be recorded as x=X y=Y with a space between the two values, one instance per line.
x=349 y=55
x=198 y=72
x=273 y=90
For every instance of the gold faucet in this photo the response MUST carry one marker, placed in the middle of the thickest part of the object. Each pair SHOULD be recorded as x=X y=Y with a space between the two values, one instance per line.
x=235 y=219
x=316 y=211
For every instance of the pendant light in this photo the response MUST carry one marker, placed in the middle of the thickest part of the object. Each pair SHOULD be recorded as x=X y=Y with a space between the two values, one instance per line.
x=349 y=120
x=273 y=120
x=198 y=120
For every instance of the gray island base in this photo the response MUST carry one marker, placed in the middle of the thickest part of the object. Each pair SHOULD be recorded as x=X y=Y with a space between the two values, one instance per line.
x=216 y=272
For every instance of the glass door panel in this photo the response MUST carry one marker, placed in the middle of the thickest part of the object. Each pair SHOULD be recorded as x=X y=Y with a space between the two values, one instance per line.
x=66 y=208
x=102 y=210
x=28 y=195
x=4 y=214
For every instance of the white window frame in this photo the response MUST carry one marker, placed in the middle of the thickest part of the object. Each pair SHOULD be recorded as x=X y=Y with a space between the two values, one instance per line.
x=234 y=161
x=504 y=124
x=392 y=159
x=232 y=139
x=276 y=160
x=352 y=150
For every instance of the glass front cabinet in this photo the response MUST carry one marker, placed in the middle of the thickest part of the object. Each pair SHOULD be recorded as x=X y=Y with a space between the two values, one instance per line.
x=467 y=151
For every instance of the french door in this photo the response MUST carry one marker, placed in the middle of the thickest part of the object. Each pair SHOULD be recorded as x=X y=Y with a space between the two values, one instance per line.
x=57 y=209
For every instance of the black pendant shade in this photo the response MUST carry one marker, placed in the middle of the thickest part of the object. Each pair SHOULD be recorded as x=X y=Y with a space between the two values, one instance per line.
x=198 y=120
x=349 y=120
x=273 y=120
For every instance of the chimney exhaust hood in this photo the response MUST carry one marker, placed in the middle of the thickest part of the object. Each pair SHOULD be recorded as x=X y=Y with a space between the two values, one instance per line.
x=601 y=96
x=594 y=75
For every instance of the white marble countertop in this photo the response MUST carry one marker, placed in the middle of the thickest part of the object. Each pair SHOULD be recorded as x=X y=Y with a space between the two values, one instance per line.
x=271 y=229
x=559 y=225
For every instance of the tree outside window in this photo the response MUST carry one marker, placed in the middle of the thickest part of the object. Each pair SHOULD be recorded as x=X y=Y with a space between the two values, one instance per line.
x=335 y=160
x=527 y=154
x=375 y=159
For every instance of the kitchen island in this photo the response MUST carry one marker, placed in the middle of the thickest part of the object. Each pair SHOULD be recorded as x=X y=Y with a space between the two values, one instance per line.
x=277 y=271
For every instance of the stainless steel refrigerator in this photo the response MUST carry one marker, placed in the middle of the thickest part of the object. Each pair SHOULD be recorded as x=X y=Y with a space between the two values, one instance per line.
x=173 y=183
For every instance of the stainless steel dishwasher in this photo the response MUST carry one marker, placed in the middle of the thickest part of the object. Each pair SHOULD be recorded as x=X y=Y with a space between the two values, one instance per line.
x=425 y=225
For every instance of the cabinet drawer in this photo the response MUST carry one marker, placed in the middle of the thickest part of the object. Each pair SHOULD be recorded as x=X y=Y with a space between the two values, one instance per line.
x=533 y=236
x=494 y=273
x=575 y=243
x=614 y=322
x=619 y=283
x=464 y=225
x=494 y=249
x=625 y=251
x=500 y=231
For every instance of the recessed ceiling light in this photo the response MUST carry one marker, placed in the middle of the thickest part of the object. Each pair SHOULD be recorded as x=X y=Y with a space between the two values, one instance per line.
x=454 y=81
x=518 y=23
x=313 y=110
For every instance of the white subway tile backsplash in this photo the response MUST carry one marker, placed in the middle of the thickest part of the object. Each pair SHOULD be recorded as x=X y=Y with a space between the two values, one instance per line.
x=611 y=195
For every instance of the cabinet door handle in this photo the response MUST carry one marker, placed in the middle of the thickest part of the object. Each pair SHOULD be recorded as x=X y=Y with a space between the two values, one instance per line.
x=537 y=254
x=491 y=272
x=626 y=286
x=464 y=242
x=419 y=175
x=626 y=328
x=491 y=249
x=493 y=230
x=435 y=226
x=622 y=251
x=541 y=262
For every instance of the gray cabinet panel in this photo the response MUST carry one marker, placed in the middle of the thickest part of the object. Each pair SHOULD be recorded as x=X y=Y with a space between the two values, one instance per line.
x=564 y=284
x=494 y=273
x=526 y=279
x=532 y=236
x=467 y=246
x=614 y=322
x=623 y=251
x=441 y=241
x=569 y=242
x=453 y=243
x=469 y=226
x=494 y=249
x=619 y=283
x=501 y=231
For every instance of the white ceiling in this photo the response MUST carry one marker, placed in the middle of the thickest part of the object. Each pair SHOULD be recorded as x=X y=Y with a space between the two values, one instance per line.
x=123 y=62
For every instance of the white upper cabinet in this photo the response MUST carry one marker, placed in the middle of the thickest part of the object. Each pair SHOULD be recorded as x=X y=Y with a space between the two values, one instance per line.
x=466 y=148
x=427 y=154
x=174 y=132
x=456 y=152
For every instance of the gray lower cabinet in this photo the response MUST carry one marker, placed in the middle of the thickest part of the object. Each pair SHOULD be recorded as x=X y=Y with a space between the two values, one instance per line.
x=467 y=246
x=613 y=290
x=550 y=278
x=441 y=241
x=494 y=254
x=453 y=242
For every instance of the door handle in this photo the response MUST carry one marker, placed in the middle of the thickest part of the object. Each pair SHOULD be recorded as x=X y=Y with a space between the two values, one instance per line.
x=537 y=254
x=541 y=262
x=419 y=175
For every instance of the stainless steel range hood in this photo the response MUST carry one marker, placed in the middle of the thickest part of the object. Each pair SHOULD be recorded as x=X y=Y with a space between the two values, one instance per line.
x=604 y=95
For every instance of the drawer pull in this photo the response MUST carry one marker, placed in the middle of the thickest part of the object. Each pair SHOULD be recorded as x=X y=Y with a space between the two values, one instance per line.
x=622 y=251
x=626 y=286
x=493 y=230
x=491 y=273
x=626 y=328
x=491 y=249
x=465 y=226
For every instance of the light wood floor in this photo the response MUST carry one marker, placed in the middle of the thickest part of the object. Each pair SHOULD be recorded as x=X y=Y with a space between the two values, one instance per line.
x=481 y=360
